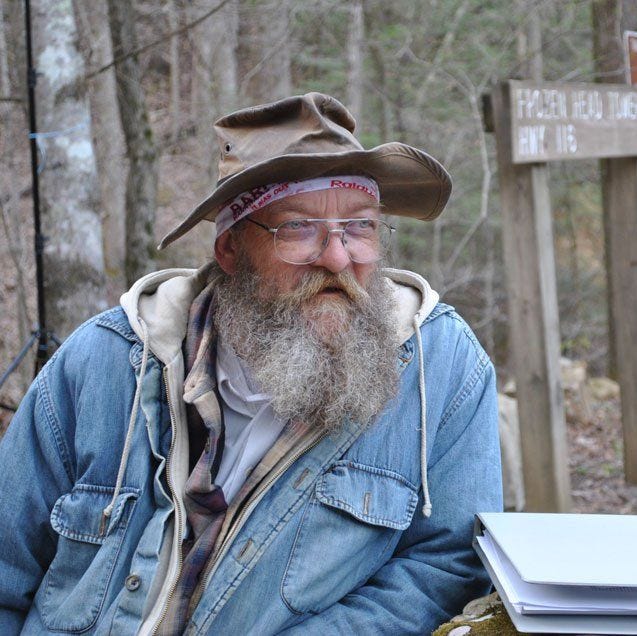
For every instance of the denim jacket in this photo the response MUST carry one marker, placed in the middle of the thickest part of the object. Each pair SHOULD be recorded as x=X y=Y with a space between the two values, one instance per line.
x=333 y=539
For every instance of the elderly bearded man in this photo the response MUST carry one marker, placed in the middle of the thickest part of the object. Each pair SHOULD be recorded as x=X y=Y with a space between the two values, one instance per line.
x=289 y=440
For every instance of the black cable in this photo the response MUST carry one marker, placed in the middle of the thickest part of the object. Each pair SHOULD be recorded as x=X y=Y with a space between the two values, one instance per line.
x=41 y=334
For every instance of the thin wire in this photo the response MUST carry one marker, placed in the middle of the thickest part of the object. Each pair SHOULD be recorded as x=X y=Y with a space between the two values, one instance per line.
x=59 y=133
x=50 y=135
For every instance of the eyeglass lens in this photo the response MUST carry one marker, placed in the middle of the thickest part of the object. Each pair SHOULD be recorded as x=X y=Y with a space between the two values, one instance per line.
x=303 y=241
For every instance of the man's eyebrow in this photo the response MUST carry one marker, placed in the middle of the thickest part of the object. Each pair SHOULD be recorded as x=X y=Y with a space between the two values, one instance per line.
x=378 y=207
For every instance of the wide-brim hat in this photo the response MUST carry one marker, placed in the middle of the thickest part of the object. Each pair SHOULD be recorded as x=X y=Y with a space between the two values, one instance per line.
x=308 y=136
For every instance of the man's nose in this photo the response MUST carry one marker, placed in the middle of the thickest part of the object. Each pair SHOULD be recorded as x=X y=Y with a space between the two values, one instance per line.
x=335 y=257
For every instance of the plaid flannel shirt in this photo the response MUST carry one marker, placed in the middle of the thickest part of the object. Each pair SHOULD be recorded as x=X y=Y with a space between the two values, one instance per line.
x=209 y=517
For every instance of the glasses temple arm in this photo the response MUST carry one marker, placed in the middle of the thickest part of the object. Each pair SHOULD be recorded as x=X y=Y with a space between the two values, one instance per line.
x=272 y=230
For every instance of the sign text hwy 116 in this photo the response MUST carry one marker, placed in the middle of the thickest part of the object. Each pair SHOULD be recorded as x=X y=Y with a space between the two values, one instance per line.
x=555 y=121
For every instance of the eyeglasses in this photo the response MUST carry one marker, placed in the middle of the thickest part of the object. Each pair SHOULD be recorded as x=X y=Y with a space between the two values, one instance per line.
x=302 y=241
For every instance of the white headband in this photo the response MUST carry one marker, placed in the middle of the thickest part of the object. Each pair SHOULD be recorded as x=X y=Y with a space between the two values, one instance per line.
x=253 y=200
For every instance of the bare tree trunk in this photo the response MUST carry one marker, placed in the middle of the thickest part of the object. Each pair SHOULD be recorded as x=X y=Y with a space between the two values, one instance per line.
x=14 y=34
x=356 y=40
x=108 y=139
x=629 y=16
x=215 y=72
x=490 y=305
x=529 y=41
x=610 y=18
x=443 y=49
x=16 y=287
x=264 y=53
x=202 y=39
x=437 y=274
x=73 y=256
x=141 y=185
x=5 y=84
x=383 y=88
x=535 y=63
x=226 y=36
x=529 y=50
x=175 y=101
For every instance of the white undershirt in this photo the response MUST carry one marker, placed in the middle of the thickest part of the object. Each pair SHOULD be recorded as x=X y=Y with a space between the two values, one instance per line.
x=251 y=426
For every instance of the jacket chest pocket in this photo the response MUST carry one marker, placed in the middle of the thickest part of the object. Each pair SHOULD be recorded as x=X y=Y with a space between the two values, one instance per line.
x=76 y=584
x=349 y=528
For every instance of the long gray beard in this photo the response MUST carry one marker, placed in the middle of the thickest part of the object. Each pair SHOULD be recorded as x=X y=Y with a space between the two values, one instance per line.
x=320 y=362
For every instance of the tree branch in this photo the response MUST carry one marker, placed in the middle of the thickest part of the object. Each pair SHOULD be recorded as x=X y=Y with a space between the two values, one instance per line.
x=163 y=38
x=486 y=178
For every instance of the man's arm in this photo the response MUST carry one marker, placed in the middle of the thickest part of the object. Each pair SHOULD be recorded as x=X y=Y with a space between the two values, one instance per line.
x=32 y=477
x=434 y=570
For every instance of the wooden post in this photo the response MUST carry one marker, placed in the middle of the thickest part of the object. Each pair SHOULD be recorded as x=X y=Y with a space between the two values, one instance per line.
x=534 y=320
x=621 y=210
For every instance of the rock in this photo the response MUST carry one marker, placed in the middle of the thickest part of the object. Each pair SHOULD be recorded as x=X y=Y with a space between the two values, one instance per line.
x=483 y=616
x=603 y=389
x=481 y=606
x=577 y=399
x=509 y=388
x=574 y=373
x=511 y=452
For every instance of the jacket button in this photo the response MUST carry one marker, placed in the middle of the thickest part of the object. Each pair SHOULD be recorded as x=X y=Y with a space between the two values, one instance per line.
x=133 y=581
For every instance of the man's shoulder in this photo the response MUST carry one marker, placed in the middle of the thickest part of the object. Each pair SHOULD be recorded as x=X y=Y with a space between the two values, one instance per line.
x=111 y=320
x=105 y=336
x=90 y=372
x=450 y=342
x=447 y=316
x=116 y=320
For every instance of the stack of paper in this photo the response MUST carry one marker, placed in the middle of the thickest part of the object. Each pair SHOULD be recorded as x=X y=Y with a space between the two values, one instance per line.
x=563 y=573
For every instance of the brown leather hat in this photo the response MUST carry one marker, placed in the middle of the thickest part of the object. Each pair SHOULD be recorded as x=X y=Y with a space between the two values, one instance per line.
x=308 y=136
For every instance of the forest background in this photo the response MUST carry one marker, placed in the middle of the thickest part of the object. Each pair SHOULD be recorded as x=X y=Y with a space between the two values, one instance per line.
x=127 y=93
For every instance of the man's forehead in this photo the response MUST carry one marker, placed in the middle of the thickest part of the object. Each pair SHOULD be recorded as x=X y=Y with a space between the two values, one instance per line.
x=336 y=200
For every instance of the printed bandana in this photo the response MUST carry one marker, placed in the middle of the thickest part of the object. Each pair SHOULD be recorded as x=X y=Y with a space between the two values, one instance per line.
x=248 y=202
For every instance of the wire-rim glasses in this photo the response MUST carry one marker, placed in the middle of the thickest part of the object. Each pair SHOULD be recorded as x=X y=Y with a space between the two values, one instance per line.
x=302 y=241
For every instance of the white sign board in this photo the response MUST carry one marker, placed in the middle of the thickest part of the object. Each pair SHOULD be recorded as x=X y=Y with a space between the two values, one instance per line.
x=556 y=121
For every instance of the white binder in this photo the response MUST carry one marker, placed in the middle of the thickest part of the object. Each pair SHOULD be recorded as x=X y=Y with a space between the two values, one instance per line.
x=562 y=573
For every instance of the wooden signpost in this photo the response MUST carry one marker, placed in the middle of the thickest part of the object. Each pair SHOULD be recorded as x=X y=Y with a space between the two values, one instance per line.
x=630 y=47
x=535 y=123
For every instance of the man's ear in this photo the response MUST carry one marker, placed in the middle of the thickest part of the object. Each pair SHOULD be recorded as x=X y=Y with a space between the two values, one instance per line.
x=226 y=251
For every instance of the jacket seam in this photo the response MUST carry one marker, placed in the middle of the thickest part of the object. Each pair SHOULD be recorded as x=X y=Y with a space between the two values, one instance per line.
x=48 y=403
x=381 y=471
x=340 y=504
x=482 y=363
x=466 y=390
x=122 y=328
x=439 y=310
x=476 y=377
x=306 y=511
x=53 y=424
